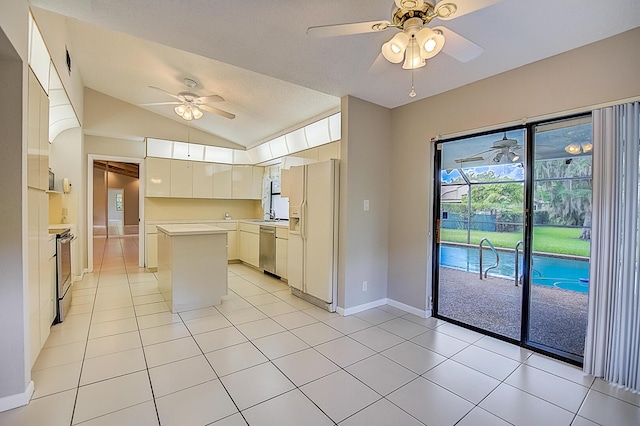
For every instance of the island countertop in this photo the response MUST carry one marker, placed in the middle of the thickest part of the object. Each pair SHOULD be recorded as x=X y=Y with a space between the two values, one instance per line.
x=190 y=229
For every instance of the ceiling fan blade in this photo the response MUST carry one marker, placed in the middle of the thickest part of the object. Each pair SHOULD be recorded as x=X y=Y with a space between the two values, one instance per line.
x=212 y=98
x=164 y=91
x=379 y=66
x=348 y=29
x=220 y=112
x=459 y=47
x=468 y=160
x=467 y=6
x=161 y=103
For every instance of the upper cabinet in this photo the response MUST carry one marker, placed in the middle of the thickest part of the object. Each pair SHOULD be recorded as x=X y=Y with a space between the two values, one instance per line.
x=181 y=179
x=196 y=179
x=158 y=177
x=37 y=136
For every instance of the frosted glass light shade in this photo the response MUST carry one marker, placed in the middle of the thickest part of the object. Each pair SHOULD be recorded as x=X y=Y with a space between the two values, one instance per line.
x=197 y=114
x=430 y=42
x=413 y=59
x=394 y=49
x=180 y=109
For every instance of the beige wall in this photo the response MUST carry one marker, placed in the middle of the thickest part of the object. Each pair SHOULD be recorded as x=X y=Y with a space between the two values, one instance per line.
x=99 y=198
x=602 y=72
x=364 y=175
x=110 y=117
x=200 y=209
x=131 y=192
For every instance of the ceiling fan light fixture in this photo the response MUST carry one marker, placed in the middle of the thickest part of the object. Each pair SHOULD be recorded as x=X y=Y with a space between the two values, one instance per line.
x=513 y=157
x=197 y=114
x=498 y=157
x=413 y=59
x=573 y=149
x=180 y=109
x=586 y=147
x=394 y=49
x=188 y=114
x=430 y=42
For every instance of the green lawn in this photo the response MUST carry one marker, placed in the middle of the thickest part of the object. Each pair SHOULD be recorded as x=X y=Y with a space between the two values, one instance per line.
x=545 y=239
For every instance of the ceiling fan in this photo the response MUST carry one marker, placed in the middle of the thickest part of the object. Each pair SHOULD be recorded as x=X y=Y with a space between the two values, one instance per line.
x=190 y=105
x=502 y=151
x=415 y=39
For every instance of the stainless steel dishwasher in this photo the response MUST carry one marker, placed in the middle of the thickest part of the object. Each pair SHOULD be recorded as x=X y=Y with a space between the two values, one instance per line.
x=268 y=249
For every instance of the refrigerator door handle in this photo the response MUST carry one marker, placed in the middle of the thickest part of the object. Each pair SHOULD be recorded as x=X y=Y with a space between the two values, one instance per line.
x=303 y=220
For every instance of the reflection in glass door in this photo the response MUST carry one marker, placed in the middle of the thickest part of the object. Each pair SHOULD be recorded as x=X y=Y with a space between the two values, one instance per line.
x=561 y=235
x=481 y=199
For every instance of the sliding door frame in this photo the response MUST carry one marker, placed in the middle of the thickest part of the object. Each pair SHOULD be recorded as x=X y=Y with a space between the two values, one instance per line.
x=527 y=232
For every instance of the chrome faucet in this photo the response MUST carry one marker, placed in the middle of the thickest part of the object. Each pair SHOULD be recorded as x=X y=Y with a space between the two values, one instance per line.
x=272 y=214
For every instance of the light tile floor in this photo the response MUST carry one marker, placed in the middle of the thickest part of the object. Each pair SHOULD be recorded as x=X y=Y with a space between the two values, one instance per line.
x=265 y=357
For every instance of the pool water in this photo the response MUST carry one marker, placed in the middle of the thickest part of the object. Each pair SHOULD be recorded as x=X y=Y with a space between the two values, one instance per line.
x=566 y=274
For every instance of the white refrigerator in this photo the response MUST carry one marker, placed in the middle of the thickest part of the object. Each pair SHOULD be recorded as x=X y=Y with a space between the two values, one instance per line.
x=313 y=232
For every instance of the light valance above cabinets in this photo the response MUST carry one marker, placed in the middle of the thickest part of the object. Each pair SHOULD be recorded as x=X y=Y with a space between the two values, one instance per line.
x=318 y=133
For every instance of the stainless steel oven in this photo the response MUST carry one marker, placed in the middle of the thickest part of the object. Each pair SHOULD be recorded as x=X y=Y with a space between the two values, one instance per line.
x=63 y=272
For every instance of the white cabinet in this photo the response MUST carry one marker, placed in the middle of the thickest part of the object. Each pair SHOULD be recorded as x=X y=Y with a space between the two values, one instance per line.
x=37 y=136
x=222 y=180
x=256 y=184
x=181 y=179
x=242 y=182
x=202 y=180
x=151 y=259
x=192 y=265
x=282 y=243
x=158 y=177
x=247 y=182
x=250 y=244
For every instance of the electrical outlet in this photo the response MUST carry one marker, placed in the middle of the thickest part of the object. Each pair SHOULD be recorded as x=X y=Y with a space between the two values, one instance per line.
x=366 y=205
x=364 y=285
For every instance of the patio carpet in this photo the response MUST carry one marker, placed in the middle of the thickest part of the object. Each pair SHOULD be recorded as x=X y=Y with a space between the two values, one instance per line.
x=558 y=318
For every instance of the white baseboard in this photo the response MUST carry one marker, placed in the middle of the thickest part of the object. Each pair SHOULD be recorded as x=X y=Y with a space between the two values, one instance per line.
x=81 y=276
x=360 y=308
x=409 y=309
x=17 y=400
x=381 y=302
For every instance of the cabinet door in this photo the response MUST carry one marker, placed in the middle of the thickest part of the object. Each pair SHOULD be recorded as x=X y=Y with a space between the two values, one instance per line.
x=222 y=181
x=256 y=185
x=43 y=139
x=202 y=180
x=54 y=297
x=33 y=133
x=181 y=179
x=245 y=242
x=152 y=251
x=242 y=182
x=158 y=177
x=281 y=257
x=254 y=250
x=232 y=245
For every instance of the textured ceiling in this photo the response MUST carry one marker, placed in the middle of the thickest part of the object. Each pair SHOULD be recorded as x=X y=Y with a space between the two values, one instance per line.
x=258 y=57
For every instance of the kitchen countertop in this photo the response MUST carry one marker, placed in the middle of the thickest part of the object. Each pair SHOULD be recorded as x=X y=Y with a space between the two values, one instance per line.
x=274 y=223
x=190 y=229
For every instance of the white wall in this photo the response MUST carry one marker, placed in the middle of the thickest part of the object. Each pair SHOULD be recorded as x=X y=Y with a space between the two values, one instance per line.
x=15 y=373
x=364 y=175
x=67 y=159
x=598 y=73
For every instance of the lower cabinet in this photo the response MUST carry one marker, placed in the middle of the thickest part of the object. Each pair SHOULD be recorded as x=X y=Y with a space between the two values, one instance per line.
x=250 y=248
x=281 y=257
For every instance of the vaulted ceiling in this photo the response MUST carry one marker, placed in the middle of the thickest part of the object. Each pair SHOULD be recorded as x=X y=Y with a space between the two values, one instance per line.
x=273 y=76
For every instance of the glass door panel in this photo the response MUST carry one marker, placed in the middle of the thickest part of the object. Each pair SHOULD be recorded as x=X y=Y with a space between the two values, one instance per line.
x=481 y=196
x=561 y=235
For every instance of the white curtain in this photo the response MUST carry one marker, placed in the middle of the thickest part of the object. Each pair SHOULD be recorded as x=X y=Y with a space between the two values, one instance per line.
x=612 y=348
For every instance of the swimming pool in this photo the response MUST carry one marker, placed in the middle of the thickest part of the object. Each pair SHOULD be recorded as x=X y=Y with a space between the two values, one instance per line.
x=566 y=274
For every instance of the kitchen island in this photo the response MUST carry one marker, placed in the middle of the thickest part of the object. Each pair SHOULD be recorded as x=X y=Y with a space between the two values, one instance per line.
x=192 y=265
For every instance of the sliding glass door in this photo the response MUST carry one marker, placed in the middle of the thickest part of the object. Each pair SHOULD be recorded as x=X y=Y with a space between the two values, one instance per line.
x=481 y=224
x=512 y=235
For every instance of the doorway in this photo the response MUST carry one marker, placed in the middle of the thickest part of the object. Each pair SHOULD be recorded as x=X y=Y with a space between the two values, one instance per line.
x=512 y=234
x=115 y=185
